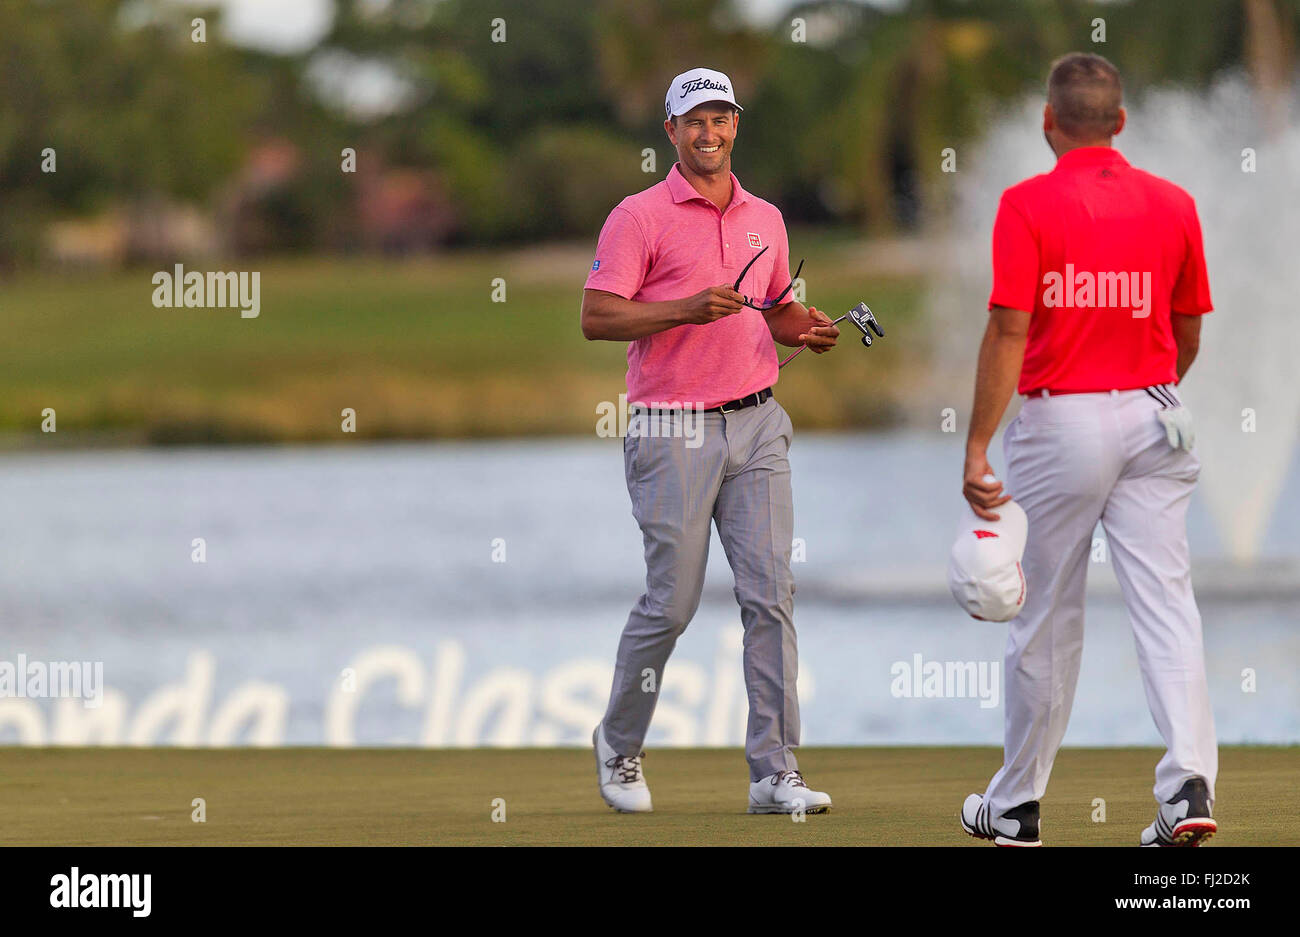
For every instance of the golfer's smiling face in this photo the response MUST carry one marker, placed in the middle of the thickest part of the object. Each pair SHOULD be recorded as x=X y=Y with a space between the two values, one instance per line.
x=704 y=136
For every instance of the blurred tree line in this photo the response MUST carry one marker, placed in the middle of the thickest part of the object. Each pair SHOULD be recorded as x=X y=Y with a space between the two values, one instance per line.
x=848 y=104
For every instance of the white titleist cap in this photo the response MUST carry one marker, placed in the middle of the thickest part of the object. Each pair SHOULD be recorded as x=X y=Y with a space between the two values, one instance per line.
x=984 y=571
x=696 y=87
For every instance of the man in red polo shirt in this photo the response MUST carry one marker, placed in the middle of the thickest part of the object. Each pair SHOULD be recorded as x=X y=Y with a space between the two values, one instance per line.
x=1099 y=283
x=707 y=443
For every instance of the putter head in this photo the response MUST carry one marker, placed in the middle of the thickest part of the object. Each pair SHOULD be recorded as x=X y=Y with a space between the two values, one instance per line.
x=865 y=320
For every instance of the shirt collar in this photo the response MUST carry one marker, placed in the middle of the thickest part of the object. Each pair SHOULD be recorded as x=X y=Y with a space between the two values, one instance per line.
x=1091 y=156
x=682 y=191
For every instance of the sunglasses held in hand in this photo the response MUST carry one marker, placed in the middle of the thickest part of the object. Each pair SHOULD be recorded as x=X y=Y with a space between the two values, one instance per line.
x=767 y=303
x=861 y=314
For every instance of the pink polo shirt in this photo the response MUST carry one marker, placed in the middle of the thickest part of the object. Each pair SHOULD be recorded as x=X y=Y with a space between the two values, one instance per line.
x=669 y=242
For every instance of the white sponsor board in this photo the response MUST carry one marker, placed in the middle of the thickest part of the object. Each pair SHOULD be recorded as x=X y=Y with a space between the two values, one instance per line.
x=506 y=706
x=892 y=675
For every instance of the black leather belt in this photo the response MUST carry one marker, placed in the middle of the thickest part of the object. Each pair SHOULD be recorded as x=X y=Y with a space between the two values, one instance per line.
x=751 y=400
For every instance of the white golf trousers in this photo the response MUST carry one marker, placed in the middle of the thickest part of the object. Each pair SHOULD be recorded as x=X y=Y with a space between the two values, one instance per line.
x=1073 y=460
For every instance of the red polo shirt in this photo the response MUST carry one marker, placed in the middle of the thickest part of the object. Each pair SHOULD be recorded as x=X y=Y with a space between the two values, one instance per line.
x=669 y=242
x=1100 y=253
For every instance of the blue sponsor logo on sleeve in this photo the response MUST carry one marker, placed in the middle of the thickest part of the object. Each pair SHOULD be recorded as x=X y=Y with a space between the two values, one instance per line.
x=595 y=266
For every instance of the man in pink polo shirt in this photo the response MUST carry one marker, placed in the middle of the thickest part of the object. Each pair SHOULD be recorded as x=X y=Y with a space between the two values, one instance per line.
x=1099 y=285
x=707 y=443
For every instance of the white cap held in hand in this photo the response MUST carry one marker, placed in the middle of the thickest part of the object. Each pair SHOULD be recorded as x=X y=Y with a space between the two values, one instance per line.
x=984 y=571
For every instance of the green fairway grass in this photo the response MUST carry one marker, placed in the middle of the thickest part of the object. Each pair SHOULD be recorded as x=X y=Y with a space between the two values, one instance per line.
x=883 y=797
x=418 y=348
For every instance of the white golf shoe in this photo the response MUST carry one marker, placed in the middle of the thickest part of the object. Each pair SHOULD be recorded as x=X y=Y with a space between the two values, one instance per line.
x=622 y=785
x=786 y=792
x=1186 y=820
x=1017 y=827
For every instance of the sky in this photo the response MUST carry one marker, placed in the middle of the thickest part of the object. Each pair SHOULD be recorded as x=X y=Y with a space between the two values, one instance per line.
x=277 y=25
x=294 y=25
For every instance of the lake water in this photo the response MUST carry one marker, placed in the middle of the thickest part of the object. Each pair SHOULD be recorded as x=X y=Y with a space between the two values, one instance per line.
x=473 y=593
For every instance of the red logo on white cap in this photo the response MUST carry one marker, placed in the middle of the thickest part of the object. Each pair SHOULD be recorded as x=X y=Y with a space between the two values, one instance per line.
x=982 y=534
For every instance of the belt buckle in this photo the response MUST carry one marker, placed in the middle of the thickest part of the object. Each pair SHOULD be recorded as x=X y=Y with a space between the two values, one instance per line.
x=744 y=402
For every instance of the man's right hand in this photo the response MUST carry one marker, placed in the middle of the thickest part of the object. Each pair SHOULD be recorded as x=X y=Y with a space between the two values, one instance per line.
x=711 y=304
x=983 y=494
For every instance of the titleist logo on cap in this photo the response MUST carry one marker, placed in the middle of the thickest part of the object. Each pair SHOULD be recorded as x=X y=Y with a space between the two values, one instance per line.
x=703 y=84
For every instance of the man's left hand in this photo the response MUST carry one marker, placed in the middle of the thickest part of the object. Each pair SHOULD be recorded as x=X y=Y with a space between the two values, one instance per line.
x=822 y=336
